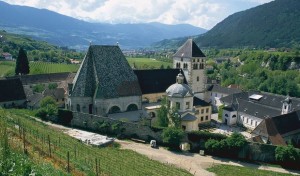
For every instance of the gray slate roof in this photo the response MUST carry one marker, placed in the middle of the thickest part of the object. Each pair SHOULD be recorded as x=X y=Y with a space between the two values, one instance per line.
x=105 y=73
x=188 y=50
x=188 y=117
x=268 y=99
x=11 y=90
x=179 y=90
x=223 y=90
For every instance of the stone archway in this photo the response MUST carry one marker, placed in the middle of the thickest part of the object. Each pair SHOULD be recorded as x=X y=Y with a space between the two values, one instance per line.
x=132 y=107
x=114 y=109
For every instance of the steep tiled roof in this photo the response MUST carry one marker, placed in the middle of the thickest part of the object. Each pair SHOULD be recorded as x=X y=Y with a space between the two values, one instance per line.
x=276 y=127
x=188 y=117
x=105 y=73
x=11 y=90
x=188 y=50
x=57 y=93
x=223 y=90
x=156 y=81
x=199 y=102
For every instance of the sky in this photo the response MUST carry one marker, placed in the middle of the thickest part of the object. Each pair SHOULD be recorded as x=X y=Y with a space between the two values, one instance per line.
x=200 y=13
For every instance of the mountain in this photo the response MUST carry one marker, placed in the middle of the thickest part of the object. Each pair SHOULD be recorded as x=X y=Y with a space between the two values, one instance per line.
x=274 y=24
x=67 y=31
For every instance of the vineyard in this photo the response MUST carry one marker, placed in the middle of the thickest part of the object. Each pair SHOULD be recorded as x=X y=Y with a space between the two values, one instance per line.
x=43 y=144
x=7 y=68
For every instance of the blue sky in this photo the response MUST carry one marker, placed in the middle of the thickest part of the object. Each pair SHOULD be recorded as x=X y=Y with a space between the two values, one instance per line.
x=201 y=13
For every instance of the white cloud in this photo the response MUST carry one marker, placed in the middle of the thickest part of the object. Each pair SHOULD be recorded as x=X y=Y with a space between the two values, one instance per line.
x=202 y=13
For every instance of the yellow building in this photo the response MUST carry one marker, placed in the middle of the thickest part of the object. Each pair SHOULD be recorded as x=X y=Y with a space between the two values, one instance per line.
x=192 y=110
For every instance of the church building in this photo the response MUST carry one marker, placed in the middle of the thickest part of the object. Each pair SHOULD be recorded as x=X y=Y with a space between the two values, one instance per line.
x=106 y=85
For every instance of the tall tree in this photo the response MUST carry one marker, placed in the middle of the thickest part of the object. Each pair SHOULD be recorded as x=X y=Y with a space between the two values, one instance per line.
x=22 y=64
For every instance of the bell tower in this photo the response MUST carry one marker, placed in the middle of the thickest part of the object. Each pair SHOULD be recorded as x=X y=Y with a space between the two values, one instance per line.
x=191 y=60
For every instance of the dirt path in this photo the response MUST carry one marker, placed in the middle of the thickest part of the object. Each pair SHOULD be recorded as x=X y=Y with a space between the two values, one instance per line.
x=194 y=163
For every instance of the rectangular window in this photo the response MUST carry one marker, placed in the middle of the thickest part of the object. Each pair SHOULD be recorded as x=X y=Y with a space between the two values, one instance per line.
x=202 y=111
x=177 y=105
x=206 y=117
x=202 y=118
x=251 y=121
x=207 y=110
x=183 y=127
x=187 y=105
x=256 y=123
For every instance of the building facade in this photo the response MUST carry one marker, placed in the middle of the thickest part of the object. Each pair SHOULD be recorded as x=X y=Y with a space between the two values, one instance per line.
x=191 y=60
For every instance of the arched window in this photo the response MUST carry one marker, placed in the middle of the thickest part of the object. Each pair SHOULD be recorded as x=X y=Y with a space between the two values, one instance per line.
x=195 y=66
x=152 y=114
x=185 y=65
x=90 y=108
x=78 y=108
x=114 y=109
x=226 y=115
x=132 y=107
x=234 y=116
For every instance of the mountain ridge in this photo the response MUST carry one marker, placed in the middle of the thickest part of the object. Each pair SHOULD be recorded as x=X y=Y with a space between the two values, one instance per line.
x=63 y=30
x=274 y=24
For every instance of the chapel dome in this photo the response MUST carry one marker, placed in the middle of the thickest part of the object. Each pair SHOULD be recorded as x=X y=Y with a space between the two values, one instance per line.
x=179 y=90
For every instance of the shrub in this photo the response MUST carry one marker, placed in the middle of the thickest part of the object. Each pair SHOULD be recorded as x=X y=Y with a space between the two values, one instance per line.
x=48 y=108
x=226 y=147
x=39 y=88
x=196 y=136
x=288 y=156
x=52 y=86
x=172 y=136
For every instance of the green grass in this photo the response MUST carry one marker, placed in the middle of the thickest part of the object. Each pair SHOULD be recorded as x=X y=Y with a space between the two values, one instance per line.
x=147 y=63
x=7 y=68
x=228 y=170
x=113 y=161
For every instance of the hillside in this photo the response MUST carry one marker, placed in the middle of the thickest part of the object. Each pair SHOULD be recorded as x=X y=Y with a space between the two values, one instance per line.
x=66 y=31
x=36 y=50
x=274 y=24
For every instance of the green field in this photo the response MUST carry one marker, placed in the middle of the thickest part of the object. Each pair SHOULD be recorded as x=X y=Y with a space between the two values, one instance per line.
x=228 y=170
x=110 y=160
x=148 y=63
x=7 y=68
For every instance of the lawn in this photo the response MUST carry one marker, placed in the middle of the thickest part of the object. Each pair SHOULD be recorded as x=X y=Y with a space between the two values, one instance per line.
x=48 y=144
x=228 y=170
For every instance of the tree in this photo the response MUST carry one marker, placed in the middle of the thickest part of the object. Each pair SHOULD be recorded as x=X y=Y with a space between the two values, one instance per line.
x=174 y=117
x=172 y=136
x=162 y=114
x=22 y=64
x=48 y=107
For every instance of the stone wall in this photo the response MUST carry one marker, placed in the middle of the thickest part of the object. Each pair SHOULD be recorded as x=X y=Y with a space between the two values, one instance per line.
x=138 y=130
x=258 y=152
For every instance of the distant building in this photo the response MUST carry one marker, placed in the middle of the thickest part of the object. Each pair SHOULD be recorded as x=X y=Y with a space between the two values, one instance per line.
x=250 y=108
x=279 y=130
x=7 y=56
x=12 y=93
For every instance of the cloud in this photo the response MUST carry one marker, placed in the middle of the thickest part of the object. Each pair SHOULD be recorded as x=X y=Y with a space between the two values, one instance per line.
x=201 y=13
